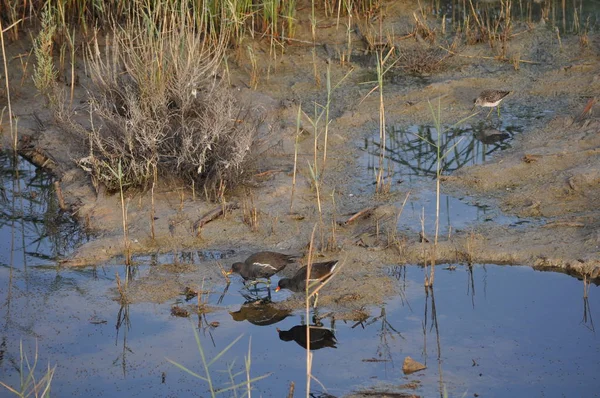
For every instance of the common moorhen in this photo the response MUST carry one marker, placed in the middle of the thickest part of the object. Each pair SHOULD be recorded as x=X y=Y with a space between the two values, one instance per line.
x=319 y=273
x=262 y=265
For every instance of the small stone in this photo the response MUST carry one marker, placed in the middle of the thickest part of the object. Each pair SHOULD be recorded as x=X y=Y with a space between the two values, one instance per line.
x=411 y=366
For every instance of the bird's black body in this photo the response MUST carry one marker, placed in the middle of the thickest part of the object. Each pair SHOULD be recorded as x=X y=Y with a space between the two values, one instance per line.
x=319 y=337
x=262 y=265
x=318 y=272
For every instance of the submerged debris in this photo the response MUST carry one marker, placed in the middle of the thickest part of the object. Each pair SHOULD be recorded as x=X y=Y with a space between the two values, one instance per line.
x=180 y=312
x=189 y=293
x=411 y=366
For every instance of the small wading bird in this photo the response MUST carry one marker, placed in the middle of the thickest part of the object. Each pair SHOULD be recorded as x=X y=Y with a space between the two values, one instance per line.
x=261 y=265
x=319 y=273
x=490 y=99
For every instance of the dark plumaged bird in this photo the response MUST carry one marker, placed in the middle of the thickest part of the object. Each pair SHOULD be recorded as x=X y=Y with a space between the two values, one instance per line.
x=262 y=265
x=319 y=273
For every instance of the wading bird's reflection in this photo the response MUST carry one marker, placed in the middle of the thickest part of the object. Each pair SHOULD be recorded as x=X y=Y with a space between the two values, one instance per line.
x=256 y=294
x=320 y=337
x=260 y=313
x=491 y=136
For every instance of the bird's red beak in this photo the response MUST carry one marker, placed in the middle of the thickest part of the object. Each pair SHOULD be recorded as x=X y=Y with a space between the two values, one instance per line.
x=277 y=289
x=229 y=272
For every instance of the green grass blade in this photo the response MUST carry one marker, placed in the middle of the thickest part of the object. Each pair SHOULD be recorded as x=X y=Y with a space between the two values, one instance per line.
x=9 y=388
x=424 y=139
x=219 y=355
x=243 y=383
x=187 y=370
x=451 y=148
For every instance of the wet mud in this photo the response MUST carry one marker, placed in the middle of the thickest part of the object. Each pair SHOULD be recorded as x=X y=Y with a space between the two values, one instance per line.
x=547 y=179
x=523 y=189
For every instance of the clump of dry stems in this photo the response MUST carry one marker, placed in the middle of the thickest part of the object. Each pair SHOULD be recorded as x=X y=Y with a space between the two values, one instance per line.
x=158 y=106
x=421 y=60
x=44 y=72
x=250 y=214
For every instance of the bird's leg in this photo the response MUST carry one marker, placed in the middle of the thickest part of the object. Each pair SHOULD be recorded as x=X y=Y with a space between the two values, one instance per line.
x=251 y=284
x=489 y=113
x=316 y=319
x=498 y=111
x=316 y=299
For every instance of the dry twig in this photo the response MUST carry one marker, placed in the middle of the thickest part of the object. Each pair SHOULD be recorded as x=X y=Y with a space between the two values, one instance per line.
x=212 y=215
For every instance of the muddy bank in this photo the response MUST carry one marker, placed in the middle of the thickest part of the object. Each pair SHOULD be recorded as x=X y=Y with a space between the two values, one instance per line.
x=549 y=177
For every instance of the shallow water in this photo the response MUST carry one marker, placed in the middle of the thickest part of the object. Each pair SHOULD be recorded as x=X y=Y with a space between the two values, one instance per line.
x=410 y=164
x=489 y=330
x=566 y=15
x=30 y=218
x=497 y=331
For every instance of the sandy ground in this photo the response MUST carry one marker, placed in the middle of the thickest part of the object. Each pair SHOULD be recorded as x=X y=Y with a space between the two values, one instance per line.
x=550 y=175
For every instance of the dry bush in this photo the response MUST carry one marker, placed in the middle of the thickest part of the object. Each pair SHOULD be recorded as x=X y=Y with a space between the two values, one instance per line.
x=159 y=107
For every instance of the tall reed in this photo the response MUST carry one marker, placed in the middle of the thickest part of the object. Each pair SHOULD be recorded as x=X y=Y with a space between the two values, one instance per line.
x=118 y=174
x=312 y=290
x=317 y=167
x=44 y=72
x=297 y=137
x=382 y=69
x=13 y=127
x=441 y=155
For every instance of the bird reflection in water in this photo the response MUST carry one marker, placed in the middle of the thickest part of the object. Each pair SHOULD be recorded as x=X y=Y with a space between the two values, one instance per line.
x=260 y=313
x=252 y=293
x=490 y=135
x=320 y=337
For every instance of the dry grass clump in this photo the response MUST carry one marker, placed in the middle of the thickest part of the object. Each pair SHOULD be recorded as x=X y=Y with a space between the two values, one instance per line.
x=489 y=23
x=45 y=74
x=422 y=60
x=162 y=108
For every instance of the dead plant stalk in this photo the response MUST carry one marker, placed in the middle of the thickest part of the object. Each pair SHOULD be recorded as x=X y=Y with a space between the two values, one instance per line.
x=381 y=60
x=307 y=313
x=298 y=126
x=13 y=129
